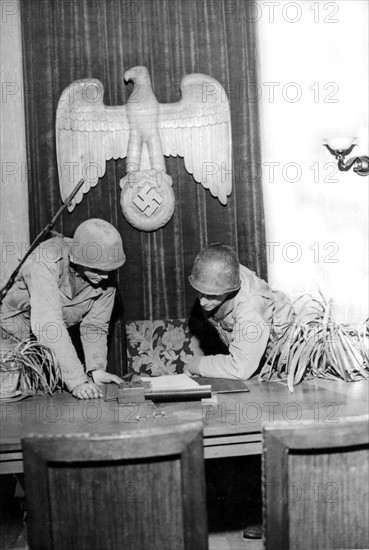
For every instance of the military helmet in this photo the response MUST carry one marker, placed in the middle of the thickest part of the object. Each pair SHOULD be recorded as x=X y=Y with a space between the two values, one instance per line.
x=97 y=245
x=216 y=270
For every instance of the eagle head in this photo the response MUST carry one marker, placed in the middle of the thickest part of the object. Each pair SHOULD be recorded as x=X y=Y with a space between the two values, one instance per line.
x=137 y=74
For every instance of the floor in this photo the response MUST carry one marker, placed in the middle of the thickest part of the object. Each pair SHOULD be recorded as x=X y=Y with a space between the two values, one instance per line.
x=233 y=540
x=234 y=501
x=233 y=497
x=11 y=523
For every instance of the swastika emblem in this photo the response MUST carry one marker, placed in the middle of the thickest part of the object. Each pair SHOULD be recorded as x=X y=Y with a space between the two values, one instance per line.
x=148 y=200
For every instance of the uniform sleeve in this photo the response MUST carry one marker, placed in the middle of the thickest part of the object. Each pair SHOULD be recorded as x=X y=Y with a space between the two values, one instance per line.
x=250 y=337
x=47 y=319
x=94 y=331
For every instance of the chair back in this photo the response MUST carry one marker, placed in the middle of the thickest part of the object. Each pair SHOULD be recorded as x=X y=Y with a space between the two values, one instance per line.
x=316 y=485
x=159 y=347
x=138 y=490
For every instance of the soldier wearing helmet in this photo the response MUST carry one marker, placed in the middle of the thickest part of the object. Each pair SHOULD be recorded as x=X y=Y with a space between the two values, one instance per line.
x=244 y=310
x=64 y=283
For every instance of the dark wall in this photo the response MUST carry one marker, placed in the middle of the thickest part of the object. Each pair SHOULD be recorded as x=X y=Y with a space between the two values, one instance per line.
x=65 y=40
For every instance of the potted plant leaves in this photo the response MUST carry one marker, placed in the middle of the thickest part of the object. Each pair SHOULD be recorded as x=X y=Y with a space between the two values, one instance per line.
x=315 y=345
x=27 y=365
x=9 y=373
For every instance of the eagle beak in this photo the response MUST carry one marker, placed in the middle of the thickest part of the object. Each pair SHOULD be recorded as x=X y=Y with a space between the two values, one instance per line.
x=127 y=76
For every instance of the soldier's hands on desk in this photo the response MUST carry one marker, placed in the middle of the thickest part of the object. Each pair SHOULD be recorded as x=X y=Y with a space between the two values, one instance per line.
x=103 y=377
x=87 y=390
x=187 y=371
x=191 y=368
x=90 y=390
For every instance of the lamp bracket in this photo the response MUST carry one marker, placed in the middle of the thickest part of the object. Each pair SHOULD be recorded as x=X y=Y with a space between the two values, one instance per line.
x=360 y=165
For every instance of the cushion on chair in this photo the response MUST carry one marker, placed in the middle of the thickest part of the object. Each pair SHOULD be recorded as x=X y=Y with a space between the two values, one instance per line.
x=160 y=347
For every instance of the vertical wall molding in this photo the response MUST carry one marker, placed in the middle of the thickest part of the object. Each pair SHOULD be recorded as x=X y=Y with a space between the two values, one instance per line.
x=14 y=229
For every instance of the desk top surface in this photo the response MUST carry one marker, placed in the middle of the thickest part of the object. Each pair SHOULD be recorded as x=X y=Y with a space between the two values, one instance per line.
x=321 y=401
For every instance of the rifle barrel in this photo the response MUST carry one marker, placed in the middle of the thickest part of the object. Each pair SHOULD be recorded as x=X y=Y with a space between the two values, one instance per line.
x=47 y=229
x=67 y=201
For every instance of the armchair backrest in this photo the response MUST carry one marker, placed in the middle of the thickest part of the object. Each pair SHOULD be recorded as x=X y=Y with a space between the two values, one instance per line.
x=136 y=490
x=316 y=485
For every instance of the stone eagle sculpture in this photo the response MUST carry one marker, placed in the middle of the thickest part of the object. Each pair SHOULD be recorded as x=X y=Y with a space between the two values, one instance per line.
x=197 y=128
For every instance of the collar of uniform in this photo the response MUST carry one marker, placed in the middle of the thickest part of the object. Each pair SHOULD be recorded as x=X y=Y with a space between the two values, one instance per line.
x=78 y=284
x=224 y=309
x=251 y=286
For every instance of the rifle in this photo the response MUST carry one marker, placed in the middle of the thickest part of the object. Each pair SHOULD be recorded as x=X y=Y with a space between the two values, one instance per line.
x=40 y=237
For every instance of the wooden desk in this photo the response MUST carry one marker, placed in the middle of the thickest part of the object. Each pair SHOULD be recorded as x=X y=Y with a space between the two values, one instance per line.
x=232 y=427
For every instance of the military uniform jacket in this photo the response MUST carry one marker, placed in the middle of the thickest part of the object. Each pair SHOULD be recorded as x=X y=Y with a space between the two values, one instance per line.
x=47 y=297
x=245 y=324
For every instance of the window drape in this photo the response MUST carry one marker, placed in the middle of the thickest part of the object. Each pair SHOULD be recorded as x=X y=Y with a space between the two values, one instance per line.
x=64 y=40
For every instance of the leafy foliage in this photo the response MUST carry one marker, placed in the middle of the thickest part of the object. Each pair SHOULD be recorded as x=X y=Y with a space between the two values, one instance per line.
x=314 y=344
x=39 y=369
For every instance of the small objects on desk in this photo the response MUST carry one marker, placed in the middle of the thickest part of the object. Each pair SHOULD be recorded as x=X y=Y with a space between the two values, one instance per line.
x=133 y=380
x=131 y=395
x=146 y=410
x=213 y=400
x=111 y=392
x=157 y=413
x=130 y=382
x=179 y=387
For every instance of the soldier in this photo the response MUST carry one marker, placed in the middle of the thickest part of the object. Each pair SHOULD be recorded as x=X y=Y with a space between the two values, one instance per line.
x=247 y=315
x=244 y=310
x=64 y=283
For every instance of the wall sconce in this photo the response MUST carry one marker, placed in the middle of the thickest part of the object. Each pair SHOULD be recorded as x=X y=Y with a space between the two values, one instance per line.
x=340 y=148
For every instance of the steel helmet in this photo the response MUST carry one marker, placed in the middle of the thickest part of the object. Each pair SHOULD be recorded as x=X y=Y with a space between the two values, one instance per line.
x=216 y=270
x=97 y=245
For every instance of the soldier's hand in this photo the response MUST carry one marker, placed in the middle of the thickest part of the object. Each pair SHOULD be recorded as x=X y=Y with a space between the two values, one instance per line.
x=187 y=370
x=102 y=377
x=192 y=368
x=88 y=390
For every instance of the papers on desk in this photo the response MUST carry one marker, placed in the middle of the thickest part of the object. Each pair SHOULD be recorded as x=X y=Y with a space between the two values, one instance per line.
x=172 y=382
x=167 y=388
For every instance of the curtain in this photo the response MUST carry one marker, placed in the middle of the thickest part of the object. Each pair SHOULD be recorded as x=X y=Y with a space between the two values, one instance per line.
x=64 y=40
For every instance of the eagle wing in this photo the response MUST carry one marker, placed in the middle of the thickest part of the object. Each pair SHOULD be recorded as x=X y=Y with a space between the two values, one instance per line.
x=88 y=133
x=198 y=128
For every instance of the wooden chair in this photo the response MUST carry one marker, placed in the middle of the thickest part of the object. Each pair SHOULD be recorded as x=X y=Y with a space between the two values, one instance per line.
x=316 y=485
x=139 y=490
